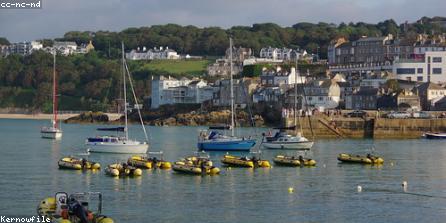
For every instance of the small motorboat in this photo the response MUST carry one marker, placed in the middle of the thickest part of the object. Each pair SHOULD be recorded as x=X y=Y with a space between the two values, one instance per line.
x=118 y=169
x=73 y=209
x=293 y=161
x=196 y=165
x=238 y=161
x=182 y=167
x=285 y=141
x=73 y=163
x=148 y=162
x=435 y=135
x=368 y=159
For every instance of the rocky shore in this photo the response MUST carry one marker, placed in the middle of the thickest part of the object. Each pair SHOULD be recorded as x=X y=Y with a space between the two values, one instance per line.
x=192 y=118
x=210 y=118
x=88 y=117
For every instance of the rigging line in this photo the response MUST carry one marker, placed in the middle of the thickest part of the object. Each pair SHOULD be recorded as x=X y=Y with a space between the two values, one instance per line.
x=136 y=101
x=249 y=102
x=306 y=104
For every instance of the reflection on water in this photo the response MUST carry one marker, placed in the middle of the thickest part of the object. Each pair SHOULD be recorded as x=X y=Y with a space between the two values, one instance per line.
x=325 y=193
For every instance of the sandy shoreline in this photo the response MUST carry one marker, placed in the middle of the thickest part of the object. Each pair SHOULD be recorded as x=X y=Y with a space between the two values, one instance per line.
x=112 y=116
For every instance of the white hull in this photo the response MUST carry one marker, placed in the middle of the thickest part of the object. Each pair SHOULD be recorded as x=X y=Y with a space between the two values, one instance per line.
x=104 y=147
x=290 y=145
x=51 y=135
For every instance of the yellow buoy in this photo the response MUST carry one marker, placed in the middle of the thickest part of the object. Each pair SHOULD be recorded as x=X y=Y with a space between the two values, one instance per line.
x=114 y=172
x=290 y=190
x=137 y=172
x=96 y=166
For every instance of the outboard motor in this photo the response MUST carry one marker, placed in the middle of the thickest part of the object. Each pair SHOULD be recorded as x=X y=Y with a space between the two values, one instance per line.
x=76 y=208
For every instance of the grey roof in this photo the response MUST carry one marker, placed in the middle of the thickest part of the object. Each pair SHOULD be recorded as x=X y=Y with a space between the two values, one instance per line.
x=429 y=86
x=344 y=84
x=367 y=91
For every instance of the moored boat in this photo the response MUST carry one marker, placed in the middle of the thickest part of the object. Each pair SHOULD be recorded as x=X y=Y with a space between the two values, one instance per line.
x=54 y=131
x=196 y=165
x=285 y=141
x=368 y=159
x=217 y=141
x=238 y=161
x=118 y=169
x=73 y=209
x=435 y=135
x=293 y=161
x=77 y=164
x=122 y=143
x=148 y=162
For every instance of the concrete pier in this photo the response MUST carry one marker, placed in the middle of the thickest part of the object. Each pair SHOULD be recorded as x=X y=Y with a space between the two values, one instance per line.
x=379 y=128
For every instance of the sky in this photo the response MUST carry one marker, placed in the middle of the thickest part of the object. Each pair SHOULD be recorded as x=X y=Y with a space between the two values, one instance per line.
x=60 y=16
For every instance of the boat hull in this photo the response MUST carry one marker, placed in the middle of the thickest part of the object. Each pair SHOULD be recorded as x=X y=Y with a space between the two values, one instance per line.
x=239 y=145
x=101 y=147
x=51 y=134
x=348 y=158
x=429 y=135
x=290 y=145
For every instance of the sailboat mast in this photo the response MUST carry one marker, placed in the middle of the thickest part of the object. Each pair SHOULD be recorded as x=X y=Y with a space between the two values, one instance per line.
x=125 y=92
x=54 y=92
x=295 y=96
x=232 y=87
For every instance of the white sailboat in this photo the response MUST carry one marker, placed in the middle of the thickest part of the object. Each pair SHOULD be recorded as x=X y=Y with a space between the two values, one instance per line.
x=120 y=143
x=282 y=140
x=53 y=131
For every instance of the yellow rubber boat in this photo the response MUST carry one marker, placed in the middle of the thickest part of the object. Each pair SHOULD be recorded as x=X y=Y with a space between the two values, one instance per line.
x=148 y=162
x=198 y=168
x=238 y=161
x=77 y=164
x=368 y=159
x=117 y=169
x=293 y=161
x=57 y=208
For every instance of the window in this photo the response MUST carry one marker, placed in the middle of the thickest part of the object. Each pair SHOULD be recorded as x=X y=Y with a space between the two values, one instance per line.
x=419 y=70
x=436 y=70
x=321 y=98
x=405 y=71
x=310 y=98
x=420 y=78
x=436 y=59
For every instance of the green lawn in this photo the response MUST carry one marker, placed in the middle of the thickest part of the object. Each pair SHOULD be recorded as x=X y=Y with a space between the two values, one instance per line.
x=191 y=67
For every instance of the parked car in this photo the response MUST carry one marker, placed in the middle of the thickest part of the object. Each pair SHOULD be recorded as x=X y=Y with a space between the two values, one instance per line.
x=357 y=114
x=421 y=114
x=399 y=114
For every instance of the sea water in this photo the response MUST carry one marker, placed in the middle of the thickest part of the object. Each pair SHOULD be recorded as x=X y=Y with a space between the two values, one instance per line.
x=325 y=193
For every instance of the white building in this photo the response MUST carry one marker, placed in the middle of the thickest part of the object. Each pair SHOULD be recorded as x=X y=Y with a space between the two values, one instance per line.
x=25 y=48
x=279 y=53
x=183 y=91
x=65 y=48
x=430 y=67
x=152 y=54
x=280 y=77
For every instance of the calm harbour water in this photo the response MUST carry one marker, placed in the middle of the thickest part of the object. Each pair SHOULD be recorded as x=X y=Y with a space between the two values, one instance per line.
x=326 y=193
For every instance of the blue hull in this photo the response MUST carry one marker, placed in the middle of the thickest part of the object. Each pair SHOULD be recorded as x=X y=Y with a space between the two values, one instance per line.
x=239 y=145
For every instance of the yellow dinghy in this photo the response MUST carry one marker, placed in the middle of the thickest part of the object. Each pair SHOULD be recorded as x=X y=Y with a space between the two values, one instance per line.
x=368 y=159
x=293 y=161
x=238 y=161
x=72 y=209
x=195 y=165
x=73 y=163
x=148 y=162
x=117 y=169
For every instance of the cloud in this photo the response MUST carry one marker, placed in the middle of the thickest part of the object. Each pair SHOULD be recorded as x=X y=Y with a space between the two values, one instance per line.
x=60 y=16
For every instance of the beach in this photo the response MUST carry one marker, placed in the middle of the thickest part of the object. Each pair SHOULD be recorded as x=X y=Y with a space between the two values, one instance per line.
x=41 y=116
